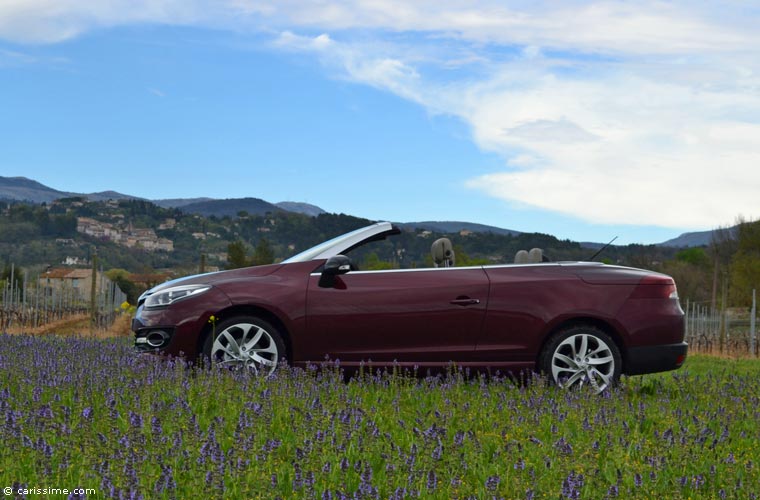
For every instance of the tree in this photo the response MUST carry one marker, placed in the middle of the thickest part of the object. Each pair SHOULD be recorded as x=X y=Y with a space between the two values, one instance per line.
x=236 y=255
x=9 y=270
x=461 y=259
x=263 y=253
x=723 y=246
x=121 y=278
x=373 y=263
x=695 y=256
x=745 y=263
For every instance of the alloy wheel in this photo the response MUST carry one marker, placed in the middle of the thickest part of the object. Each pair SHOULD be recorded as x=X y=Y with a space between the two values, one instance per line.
x=245 y=345
x=583 y=359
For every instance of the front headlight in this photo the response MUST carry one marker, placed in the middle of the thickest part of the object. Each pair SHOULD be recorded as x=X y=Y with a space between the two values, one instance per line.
x=173 y=294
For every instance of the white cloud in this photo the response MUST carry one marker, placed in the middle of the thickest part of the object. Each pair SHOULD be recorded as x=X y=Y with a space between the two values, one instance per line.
x=617 y=112
x=50 y=21
x=360 y=63
x=622 y=150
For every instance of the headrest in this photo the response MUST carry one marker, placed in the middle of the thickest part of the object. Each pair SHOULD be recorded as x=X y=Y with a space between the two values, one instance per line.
x=521 y=257
x=443 y=252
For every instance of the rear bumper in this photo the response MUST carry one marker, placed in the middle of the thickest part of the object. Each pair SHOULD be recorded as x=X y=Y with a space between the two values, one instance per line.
x=656 y=358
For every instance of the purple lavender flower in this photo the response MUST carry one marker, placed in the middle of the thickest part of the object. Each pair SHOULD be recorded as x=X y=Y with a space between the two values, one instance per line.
x=699 y=481
x=432 y=480
x=297 y=480
x=459 y=438
x=492 y=483
x=572 y=485
x=438 y=451
x=135 y=420
x=563 y=446
x=155 y=426
x=586 y=424
x=45 y=412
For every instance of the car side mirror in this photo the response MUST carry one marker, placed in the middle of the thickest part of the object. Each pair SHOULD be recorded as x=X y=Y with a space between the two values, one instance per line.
x=335 y=266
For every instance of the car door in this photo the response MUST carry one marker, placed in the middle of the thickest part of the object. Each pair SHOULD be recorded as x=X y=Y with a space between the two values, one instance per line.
x=524 y=299
x=414 y=315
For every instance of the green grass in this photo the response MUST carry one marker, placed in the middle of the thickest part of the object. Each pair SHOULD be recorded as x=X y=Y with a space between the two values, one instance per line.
x=87 y=413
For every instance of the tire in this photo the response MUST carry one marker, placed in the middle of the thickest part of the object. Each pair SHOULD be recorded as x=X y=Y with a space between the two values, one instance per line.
x=582 y=355
x=245 y=342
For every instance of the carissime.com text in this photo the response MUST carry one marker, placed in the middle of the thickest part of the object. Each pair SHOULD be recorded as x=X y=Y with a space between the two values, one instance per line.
x=8 y=491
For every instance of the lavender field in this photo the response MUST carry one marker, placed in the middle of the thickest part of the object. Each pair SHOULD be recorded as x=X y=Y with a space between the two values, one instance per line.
x=86 y=413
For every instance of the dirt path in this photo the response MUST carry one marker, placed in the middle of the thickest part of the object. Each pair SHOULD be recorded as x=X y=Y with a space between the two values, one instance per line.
x=78 y=325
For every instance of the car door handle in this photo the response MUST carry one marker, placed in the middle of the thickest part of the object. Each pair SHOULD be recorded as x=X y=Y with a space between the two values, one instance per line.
x=465 y=301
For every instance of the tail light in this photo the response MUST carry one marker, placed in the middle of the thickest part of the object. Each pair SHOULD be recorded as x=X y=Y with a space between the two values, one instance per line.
x=656 y=287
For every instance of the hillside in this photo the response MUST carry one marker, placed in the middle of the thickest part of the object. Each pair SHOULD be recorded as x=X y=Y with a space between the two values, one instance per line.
x=179 y=202
x=141 y=237
x=28 y=190
x=230 y=207
x=300 y=208
x=695 y=239
x=456 y=227
x=23 y=189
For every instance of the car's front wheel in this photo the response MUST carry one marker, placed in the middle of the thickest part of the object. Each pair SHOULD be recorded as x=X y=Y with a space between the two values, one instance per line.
x=245 y=342
x=582 y=355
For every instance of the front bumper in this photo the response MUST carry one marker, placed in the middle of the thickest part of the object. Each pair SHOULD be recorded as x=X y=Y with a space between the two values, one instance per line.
x=177 y=329
x=655 y=358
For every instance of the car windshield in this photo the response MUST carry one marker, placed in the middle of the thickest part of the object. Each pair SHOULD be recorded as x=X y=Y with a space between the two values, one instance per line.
x=339 y=243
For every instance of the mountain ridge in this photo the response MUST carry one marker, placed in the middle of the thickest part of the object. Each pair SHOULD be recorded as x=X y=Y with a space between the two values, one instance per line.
x=23 y=189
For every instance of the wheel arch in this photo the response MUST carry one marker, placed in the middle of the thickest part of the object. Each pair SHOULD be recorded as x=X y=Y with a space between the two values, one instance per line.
x=250 y=310
x=601 y=324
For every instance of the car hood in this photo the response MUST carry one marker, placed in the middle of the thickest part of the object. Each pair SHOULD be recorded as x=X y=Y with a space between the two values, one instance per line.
x=211 y=278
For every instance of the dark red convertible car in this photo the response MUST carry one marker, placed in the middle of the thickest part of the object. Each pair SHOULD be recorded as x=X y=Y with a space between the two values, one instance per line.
x=578 y=322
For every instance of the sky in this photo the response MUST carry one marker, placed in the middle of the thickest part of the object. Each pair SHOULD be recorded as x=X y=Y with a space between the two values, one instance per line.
x=585 y=120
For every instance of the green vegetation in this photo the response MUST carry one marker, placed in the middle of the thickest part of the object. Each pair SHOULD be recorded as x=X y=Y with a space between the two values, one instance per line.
x=121 y=278
x=745 y=263
x=35 y=236
x=237 y=254
x=23 y=222
x=88 y=413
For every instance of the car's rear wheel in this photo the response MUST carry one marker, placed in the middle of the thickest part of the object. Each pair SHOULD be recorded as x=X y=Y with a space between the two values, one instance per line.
x=582 y=355
x=245 y=342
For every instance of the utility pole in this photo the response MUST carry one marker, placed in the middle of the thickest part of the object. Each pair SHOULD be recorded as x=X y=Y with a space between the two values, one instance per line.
x=752 y=331
x=724 y=314
x=93 y=292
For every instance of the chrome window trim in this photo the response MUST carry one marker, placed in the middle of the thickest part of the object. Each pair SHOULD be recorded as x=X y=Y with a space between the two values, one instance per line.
x=340 y=244
x=426 y=269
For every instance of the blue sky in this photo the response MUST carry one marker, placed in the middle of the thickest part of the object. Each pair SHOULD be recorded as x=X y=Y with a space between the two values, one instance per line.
x=584 y=120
